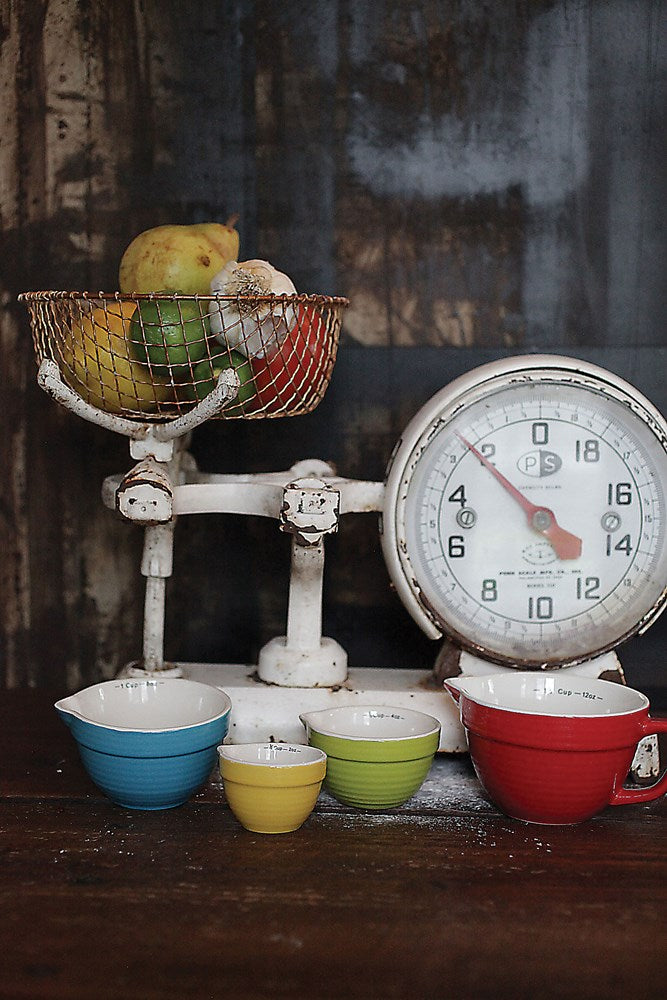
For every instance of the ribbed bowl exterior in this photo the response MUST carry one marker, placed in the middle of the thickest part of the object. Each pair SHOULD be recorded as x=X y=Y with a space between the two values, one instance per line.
x=272 y=796
x=144 y=770
x=547 y=786
x=267 y=809
x=375 y=785
x=550 y=769
x=375 y=774
x=149 y=782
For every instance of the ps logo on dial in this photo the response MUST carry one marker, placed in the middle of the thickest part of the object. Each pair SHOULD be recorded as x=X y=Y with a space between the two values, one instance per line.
x=537 y=464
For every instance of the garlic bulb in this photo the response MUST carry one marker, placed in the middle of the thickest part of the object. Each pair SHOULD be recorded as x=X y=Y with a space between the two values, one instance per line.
x=255 y=329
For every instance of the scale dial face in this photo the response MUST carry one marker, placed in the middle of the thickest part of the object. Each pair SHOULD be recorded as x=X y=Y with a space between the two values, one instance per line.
x=525 y=512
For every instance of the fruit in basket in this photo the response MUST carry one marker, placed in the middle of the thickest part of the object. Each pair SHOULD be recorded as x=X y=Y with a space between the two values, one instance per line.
x=97 y=364
x=170 y=335
x=207 y=371
x=178 y=258
x=253 y=327
x=293 y=372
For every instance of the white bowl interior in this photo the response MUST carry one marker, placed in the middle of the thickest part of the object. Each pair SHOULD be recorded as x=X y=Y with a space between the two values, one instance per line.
x=148 y=705
x=553 y=694
x=271 y=754
x=371 y=722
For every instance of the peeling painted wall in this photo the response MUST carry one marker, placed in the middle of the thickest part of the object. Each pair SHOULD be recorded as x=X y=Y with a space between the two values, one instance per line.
x=479 y=178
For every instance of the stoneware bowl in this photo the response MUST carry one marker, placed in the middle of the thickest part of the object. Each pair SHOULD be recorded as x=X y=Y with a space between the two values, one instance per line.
x=377 y=757
x=271 y=787
x=554 y=748
x=147 y=744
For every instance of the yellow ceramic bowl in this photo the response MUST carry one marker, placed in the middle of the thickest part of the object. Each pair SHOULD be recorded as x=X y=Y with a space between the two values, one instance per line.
x=271 y=787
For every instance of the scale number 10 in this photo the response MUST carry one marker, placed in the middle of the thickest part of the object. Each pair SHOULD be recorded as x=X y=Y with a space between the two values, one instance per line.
x=541 y=608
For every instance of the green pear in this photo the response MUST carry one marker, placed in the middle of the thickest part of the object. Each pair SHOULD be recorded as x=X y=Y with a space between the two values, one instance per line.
x=178 y=258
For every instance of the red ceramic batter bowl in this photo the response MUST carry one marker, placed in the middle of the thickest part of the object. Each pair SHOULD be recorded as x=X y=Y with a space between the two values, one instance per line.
x=551 y=748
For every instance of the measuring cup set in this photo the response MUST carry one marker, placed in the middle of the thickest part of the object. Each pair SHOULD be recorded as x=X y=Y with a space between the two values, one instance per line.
x=546 y=748
x=150 y=744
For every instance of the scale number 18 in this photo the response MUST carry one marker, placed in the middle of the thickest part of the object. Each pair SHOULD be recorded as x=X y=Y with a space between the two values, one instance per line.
x=587 y=451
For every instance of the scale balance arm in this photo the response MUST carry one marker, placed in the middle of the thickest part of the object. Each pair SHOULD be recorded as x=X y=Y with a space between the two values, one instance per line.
x=307 y=500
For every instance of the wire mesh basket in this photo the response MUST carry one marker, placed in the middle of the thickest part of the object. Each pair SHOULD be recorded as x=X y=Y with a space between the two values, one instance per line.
x=156 y=356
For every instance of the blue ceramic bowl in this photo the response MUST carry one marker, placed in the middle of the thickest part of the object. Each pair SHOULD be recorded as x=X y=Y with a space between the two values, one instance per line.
x=148 y=744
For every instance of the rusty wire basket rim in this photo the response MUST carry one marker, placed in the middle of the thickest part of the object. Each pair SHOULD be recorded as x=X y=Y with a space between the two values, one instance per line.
x=39 y=296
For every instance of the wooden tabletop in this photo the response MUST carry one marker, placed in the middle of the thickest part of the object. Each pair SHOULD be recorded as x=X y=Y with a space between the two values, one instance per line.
x=444 y=897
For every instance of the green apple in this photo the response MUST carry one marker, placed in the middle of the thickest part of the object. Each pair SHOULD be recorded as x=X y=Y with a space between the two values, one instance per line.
x=206 y=373
x=169 y=334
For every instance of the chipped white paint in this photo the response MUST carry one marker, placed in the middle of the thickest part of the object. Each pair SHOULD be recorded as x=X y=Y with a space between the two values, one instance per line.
x=145 y=493
x=262 y=712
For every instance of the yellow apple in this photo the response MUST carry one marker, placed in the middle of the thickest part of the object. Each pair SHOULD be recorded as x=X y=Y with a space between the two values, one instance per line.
x=178 y=258
x=96 y=363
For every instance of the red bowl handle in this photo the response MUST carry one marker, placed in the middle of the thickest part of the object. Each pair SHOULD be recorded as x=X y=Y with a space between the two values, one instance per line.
x=626 y=796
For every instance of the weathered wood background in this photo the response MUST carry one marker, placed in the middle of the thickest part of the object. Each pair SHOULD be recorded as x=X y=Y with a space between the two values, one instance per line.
x=479 y=178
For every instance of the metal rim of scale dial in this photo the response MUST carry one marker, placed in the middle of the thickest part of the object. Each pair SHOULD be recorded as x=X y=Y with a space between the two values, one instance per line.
x=525 y=512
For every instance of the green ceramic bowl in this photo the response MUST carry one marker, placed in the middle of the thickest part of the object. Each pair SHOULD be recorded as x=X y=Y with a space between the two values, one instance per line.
x=377 y=756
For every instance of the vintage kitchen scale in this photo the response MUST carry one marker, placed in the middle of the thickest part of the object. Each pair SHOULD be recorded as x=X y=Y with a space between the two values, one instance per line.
x=523 y=517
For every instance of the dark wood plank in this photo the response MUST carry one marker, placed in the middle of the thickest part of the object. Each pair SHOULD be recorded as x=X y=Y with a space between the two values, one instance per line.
x=96 y=902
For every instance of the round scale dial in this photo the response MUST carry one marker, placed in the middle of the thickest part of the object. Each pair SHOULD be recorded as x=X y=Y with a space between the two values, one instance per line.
x=525 y=512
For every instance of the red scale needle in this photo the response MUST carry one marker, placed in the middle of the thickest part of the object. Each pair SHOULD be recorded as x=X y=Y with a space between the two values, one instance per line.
x=540 y=519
